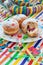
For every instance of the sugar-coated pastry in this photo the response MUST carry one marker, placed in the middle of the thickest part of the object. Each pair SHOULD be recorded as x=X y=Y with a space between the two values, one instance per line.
x=20 y=18
x=30 y=26
x=11 y=27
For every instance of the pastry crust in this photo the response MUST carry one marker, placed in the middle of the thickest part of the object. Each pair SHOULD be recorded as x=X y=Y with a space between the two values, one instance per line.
x=30 y=26
x=20 y=18
x=11 y=27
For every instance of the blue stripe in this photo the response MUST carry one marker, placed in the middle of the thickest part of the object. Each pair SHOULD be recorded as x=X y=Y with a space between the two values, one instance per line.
x=37 y=43
x=24 y=10
x=5 y=45
x=23 y=62
x=39 y=15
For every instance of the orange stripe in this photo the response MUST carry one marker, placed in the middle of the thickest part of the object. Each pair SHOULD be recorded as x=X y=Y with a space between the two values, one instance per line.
x=5 y=58
x=40 y=59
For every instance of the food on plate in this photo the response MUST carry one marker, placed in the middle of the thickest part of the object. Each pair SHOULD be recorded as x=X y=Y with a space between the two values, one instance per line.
x=11 y=27
x=20 y=18
x=30 y=26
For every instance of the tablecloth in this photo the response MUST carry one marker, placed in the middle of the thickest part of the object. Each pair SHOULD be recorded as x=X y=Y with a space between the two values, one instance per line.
x=23 y=55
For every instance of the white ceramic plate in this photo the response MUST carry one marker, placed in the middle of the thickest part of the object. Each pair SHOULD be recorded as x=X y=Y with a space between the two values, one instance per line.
x=15 y=38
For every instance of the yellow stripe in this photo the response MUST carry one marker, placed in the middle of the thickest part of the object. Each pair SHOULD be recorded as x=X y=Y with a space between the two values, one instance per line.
x=16 y=10
x=37 y=9
x=36 y=63
x=30 y=44
x=21 y=4
x=16 y=62
x=34 y=15
x=4 y=42
x=32 y=57
x=16 y=0
x=30 y=10
x=12 y=9
x=19 y=59
x=20 y=10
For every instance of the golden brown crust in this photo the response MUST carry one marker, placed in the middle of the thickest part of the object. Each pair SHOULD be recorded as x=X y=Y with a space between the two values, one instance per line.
x=9 y=29
x=32 y=31
x=20 y=18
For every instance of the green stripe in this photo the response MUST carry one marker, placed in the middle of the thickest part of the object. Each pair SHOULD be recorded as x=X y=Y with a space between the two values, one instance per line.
x=24 y=10
x=12 y=58
x=24 y=44
x=23 y=56
x=8 y=17
x=31 y=15
x=15 y=9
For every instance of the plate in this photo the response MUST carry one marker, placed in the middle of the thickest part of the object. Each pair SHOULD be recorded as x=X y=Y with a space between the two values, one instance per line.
x=15 y=38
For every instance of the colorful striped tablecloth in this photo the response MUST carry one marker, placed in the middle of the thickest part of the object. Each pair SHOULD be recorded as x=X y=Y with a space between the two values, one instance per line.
x=20 y=57
x=23 y=55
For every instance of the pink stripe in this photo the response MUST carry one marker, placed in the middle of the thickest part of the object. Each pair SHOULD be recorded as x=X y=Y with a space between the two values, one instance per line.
x=7 y=49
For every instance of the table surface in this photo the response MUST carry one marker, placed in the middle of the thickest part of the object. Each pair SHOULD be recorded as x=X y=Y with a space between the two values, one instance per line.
x=19 y=56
